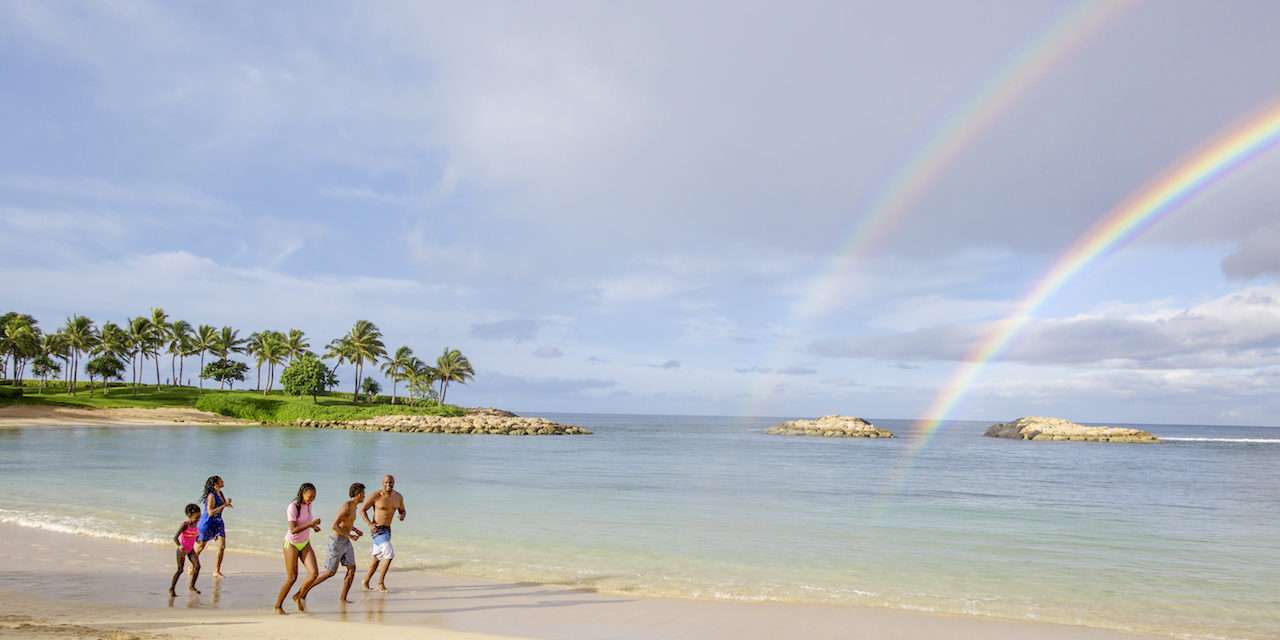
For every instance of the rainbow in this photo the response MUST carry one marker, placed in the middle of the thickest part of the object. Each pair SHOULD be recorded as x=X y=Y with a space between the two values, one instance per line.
x=1144 y=208
x=957 y=133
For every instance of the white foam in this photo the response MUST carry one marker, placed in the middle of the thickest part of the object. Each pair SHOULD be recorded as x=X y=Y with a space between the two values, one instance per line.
x=81 y=526
x=1233 y=440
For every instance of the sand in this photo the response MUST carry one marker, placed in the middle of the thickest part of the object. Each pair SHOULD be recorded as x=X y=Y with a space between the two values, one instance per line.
x=38 y=415
x=56 y=585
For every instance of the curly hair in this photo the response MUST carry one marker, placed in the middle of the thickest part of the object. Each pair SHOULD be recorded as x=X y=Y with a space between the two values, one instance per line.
x=191 y=510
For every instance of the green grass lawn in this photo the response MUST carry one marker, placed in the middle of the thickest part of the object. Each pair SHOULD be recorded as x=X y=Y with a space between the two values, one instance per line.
x=276 y=408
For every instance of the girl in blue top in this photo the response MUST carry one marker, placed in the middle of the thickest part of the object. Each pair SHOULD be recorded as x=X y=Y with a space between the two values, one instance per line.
x=210 y=526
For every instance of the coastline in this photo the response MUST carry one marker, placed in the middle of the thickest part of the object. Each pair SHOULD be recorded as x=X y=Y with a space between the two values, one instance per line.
x=81 y=582
x=24 y=415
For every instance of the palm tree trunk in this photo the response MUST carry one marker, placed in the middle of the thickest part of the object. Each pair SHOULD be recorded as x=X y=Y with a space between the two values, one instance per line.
x=202 y=369
x=182 y=366
x=393 y=390
x=157 y=359
x=257 y=381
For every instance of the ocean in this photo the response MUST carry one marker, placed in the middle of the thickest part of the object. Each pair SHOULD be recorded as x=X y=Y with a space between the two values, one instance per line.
x=1180 y=538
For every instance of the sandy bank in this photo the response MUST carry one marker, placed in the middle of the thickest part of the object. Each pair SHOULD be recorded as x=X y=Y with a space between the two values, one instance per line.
x=37 y=415
x=60 y=579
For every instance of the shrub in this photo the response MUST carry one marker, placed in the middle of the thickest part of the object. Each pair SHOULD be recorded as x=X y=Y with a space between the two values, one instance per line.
x=7 y=393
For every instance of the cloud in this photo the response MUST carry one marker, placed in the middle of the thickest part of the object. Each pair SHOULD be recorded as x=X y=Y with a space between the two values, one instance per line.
x=669 y=364
x=1257 y=255
x=1241 y=329
x=98 y=191
x=548 y=352
x=596 y=360
x=784 y=371
x=502 y=383
x=515 y=329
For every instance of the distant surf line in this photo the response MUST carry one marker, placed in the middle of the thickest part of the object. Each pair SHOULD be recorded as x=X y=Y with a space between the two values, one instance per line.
x=1225 y=440
x=1136 y=213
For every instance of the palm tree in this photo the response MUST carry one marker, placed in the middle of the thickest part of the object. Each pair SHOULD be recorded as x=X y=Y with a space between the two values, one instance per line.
x=253 y=347
x=180 y=335
x=159 y=335
x=139 y=334
x=452 y=366
x=296 y=344
x=362 y=344
x=52 y=345
x=81 y=337
x=275 y=348
x=113 y=342
x=20 y=340
x=421 y=377
x=204 y=341
x=396 y=368
x=227 y=343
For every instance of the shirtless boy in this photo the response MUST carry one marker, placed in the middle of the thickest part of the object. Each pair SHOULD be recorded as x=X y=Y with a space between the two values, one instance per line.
x=385 y=503
x=340 y=549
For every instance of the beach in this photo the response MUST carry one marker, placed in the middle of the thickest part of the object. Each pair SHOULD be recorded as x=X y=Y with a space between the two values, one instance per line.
x=43 y=415
x=83 y=585
x=662 y=526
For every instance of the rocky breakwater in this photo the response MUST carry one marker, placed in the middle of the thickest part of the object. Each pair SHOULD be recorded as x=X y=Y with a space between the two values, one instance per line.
x=471 y=425
x=1057 y=429
x=831 y=427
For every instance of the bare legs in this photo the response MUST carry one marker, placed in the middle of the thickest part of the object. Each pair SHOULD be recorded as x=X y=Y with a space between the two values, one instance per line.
x=346 y=583
x=195 y=571
x=222 y=550
x=382 y=577
x=290 y=575
x=308 y=557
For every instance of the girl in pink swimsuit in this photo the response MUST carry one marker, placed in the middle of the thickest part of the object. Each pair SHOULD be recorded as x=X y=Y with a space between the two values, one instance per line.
x=185 y=538
x=297 y=546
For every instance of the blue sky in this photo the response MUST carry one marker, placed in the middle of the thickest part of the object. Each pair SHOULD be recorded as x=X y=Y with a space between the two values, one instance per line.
x=618 y=208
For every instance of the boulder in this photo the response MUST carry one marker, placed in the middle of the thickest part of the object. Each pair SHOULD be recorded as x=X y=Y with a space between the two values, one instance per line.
x=1059 y=430
x=476 y=423
x=831 y=427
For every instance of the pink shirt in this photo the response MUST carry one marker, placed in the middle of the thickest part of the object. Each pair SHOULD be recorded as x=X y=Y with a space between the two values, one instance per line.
x=300 y=515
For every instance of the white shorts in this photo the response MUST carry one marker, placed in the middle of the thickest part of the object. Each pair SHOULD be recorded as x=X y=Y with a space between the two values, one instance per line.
x=382 y=549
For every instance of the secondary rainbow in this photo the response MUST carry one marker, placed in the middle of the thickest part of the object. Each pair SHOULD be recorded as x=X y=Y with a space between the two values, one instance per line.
x=1138 y=212
x=955 y=134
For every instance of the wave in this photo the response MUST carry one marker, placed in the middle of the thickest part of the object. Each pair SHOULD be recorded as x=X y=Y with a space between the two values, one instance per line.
x=1231 y=440
x=81 y=526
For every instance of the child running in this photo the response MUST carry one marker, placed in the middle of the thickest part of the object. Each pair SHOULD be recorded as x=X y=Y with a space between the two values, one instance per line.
x=185 y=538
x=297 y=546
x=340 y=549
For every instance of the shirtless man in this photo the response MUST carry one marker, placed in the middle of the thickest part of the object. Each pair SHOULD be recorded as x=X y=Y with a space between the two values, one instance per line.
x=340 y=550
x=385 y=503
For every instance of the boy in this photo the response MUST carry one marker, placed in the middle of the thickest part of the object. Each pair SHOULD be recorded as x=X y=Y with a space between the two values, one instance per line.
x=340 y=549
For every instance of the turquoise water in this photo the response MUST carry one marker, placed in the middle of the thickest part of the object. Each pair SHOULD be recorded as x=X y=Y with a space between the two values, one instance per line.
x=1181 y=538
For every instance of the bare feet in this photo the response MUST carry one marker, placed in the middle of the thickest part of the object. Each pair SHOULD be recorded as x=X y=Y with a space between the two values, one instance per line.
x=301 y=602
x=173 y=594
x=383 y=588
x=366 y=585
x=218 y=574
x=194 y=590
x=280 y=610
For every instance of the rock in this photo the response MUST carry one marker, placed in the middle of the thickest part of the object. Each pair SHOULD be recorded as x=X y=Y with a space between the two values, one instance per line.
x=476 y=423
x=490 y=411
x=1058 y=430
x=831 y=427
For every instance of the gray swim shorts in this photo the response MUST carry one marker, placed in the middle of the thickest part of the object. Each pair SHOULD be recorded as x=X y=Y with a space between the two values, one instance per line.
x=340 y=551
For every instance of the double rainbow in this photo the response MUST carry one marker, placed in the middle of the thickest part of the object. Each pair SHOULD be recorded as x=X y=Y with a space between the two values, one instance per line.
x=1145 y=207
x=955 y=134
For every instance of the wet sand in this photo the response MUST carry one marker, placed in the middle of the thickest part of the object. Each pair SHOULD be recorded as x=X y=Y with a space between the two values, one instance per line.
x=38 y=415
x=64 y=585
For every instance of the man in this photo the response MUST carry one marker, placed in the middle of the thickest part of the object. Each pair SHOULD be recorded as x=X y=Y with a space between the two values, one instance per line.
x=340 y=549
x=385 y=503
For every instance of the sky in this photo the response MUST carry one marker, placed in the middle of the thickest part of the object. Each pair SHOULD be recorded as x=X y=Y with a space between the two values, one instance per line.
x=626 y=207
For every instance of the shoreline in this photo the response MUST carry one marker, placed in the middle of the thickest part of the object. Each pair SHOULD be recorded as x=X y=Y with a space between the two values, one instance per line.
x=70 y=579
x=24 y=415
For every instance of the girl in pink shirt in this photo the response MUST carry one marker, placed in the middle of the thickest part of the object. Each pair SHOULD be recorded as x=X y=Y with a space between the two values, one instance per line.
x=297 y=546
x=185 y=538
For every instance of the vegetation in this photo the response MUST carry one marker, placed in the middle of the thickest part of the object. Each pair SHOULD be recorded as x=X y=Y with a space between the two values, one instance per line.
x=307 y=376
x=104 y=352
x=280 y=409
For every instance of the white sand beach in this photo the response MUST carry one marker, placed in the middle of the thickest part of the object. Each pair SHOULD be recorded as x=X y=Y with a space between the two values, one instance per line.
x=56 y=585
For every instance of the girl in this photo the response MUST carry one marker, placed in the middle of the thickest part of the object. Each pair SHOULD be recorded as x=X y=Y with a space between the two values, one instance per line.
x=297 y=546
x=211 y=527
x=185 y=538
